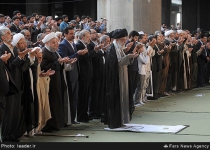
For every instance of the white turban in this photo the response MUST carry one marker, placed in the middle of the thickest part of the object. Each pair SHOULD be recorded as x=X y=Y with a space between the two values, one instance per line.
x=48 y=37
x=16 y=38
x=141 y=32
x=167 y=33
x=180 y=31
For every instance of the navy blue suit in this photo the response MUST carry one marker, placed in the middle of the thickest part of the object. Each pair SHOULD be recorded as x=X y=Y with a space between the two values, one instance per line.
x=66 y=50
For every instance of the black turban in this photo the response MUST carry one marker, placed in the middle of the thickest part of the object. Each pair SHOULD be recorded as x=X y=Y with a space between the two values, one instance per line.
x=119 y=33
x=110 y=34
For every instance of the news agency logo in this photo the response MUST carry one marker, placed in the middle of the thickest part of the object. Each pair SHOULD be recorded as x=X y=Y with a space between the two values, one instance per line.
x=165 y=146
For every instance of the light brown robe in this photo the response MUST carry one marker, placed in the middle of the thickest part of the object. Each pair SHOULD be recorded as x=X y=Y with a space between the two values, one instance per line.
x=43 y=99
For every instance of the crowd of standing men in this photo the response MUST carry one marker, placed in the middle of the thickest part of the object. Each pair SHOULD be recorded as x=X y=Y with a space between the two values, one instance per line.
x=55 y=73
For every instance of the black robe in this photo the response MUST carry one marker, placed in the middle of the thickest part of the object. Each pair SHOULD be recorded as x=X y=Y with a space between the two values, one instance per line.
x=13 y=125
x=112 y=96
x=173 y=68
x=29 y=99
x=157 y=67
x=50 y=60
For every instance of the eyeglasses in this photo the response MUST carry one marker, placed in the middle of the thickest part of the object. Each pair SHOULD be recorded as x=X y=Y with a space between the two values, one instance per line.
x=93 y=32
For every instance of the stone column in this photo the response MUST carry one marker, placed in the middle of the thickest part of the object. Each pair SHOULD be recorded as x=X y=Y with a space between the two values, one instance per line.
x=101 y=9
x=139 y=15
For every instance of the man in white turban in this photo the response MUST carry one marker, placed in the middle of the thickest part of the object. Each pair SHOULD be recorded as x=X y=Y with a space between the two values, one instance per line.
x=52 y=60
x=42 y=85
x=29 y=96
x=174 y=83
x=168 y=33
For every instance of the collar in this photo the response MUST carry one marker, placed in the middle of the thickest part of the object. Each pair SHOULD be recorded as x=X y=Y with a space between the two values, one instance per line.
x=95 y=42
x=201 y=42
x=71 y=42
x=48 y=49
x=9 y=46
x=83 y=43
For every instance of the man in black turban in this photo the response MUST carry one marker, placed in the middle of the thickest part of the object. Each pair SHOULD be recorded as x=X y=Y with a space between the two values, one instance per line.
x=117 y=93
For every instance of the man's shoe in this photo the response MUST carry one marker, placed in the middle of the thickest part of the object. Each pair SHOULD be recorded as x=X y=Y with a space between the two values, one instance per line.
x=138 y=105
x=75 y=122
x=65 y=125
x=152 y=98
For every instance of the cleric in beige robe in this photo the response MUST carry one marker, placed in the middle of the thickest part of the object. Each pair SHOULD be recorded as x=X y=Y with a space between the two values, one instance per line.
x=43 y=98
x=117 y=92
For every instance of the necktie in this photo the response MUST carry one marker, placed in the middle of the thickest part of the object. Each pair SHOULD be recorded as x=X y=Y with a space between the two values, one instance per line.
x=7 y=75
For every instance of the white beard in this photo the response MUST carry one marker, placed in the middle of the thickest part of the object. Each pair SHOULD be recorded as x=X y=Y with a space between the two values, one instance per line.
x=120 y=45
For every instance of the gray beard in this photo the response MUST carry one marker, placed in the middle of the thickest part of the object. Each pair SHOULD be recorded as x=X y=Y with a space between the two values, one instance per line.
x=50 y=49
x=120 y=45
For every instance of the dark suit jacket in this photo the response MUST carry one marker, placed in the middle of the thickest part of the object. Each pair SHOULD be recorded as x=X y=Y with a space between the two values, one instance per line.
x=4 y=88
x=134 y=65
x=34 y=34
x=85 y=62
x=97 y=61
x=65 y=50
x=202 y=58
x=15 y=29
x=16 y=66
x=157 y=62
